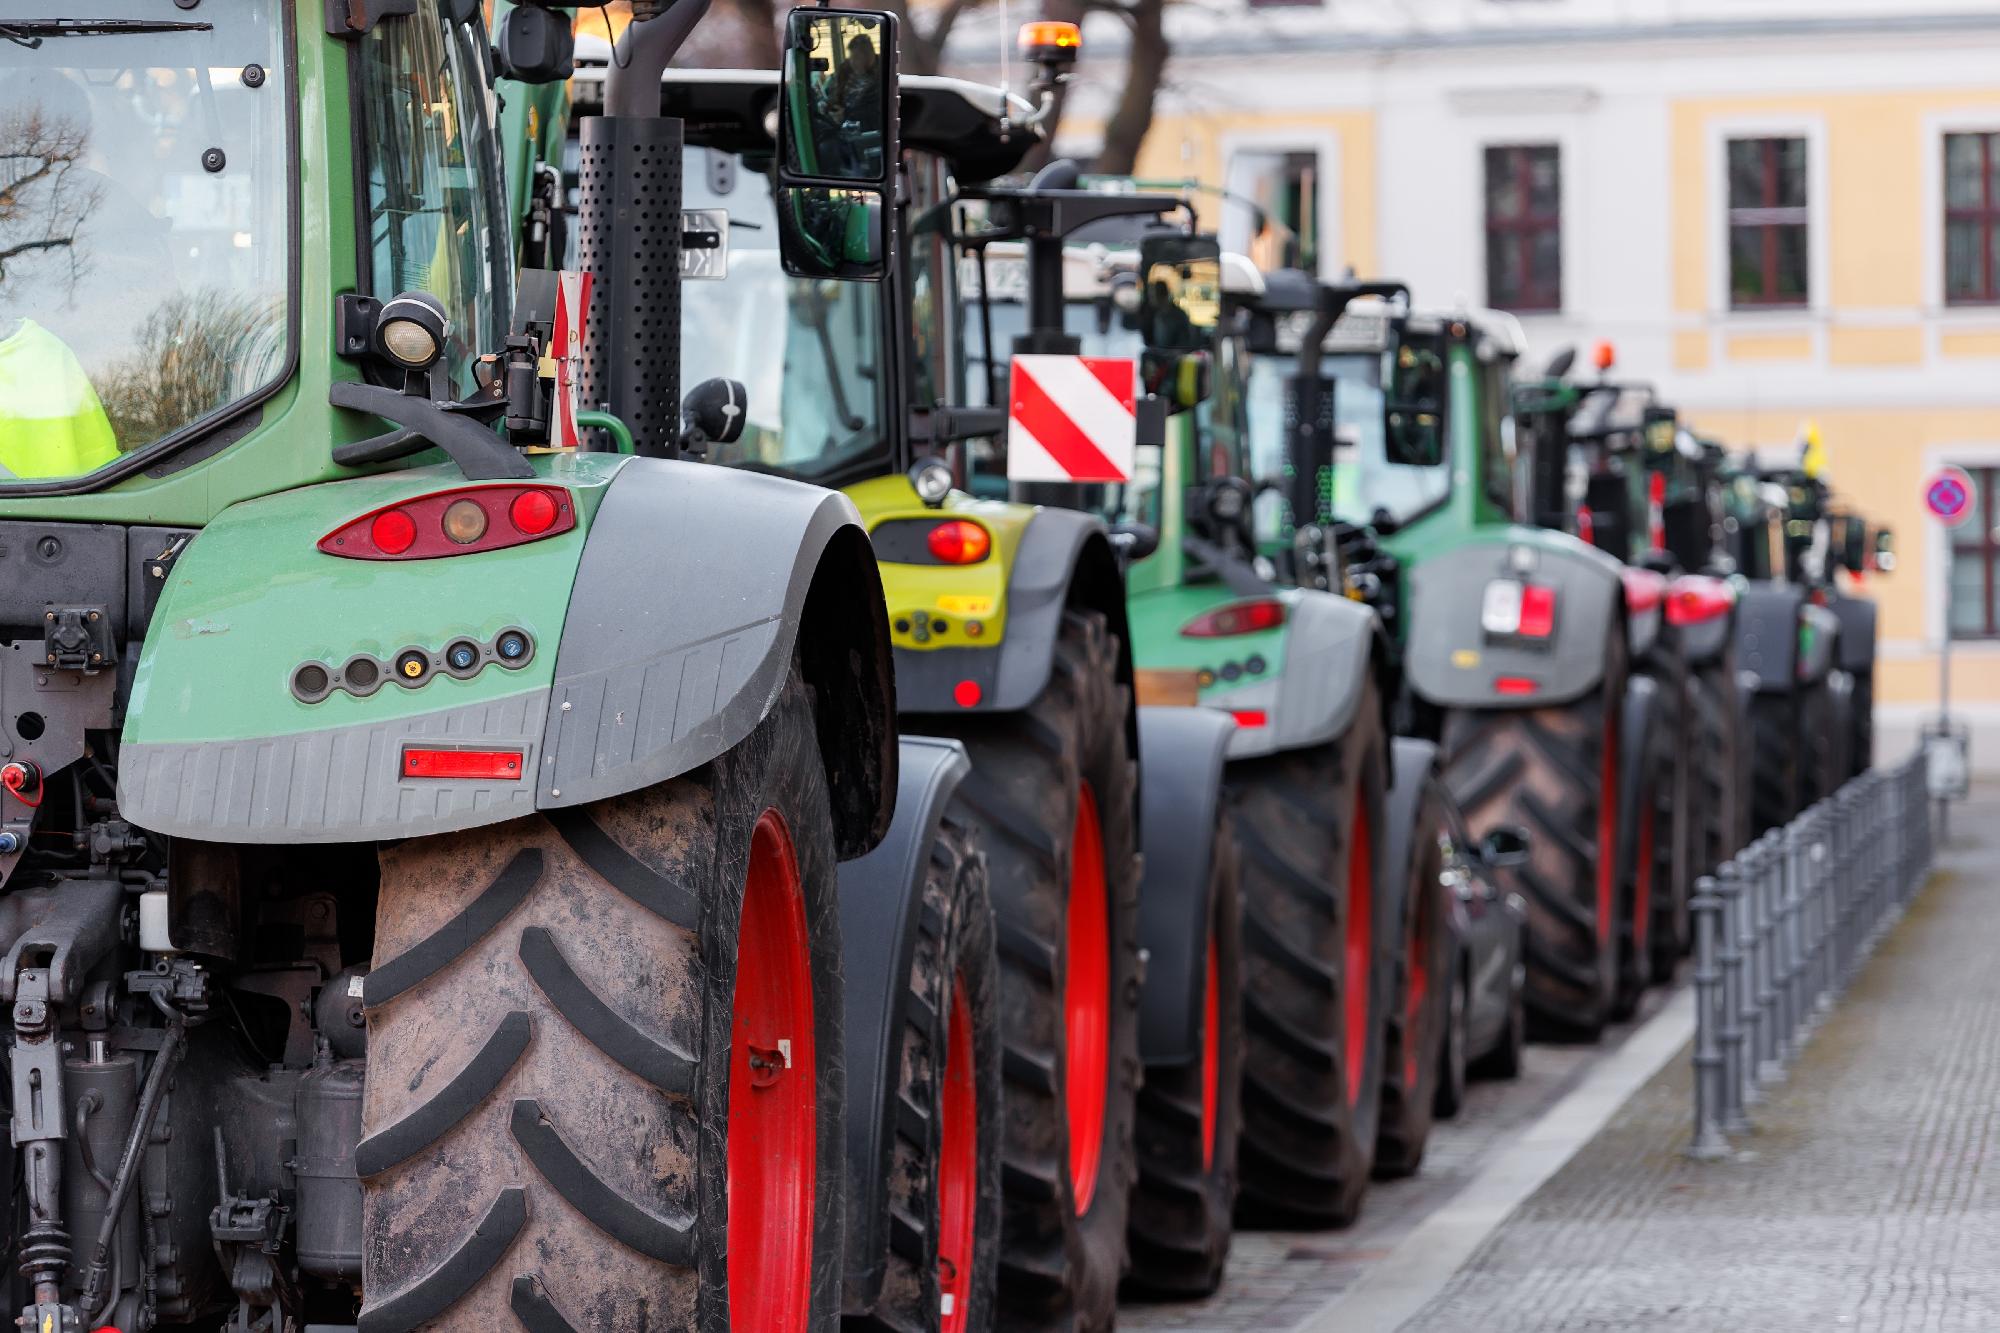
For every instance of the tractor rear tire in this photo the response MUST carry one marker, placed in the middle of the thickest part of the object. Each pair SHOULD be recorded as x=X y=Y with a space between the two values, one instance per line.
x=1777 y=750
x=1862 y=757
x=1647 y=873
x=944 y=1181
x=1190 y=1117
x=605 y=1077
x=1453 y=1063
x=1507 y=1059
x=1053 y=799
x=1719 y=749
x=1554 y=771
x=1312 y=1075
x=1419 y=1009
x=1829 y=729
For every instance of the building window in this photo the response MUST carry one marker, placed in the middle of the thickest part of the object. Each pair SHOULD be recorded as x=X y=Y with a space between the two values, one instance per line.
x=1975 y=563
x=1767 y=222
x=1524 y=227
x=1971 y=219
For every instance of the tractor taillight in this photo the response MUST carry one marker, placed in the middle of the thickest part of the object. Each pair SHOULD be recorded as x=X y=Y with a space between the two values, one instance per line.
x=1538 y=611
x=454 y=522
x=1237 y=618
x=1515 y=685
x=1694 y=598
x=504 y=765
x=1250 y=717
x=959 y=541
x=1518 y=610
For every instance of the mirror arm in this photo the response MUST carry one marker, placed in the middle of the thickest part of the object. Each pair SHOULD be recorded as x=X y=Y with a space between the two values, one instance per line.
x=632 y=88
x=949 y=423
x=480 y=454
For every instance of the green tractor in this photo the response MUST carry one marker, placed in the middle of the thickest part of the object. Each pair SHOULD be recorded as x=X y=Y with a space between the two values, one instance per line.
x=1009 y=624
x=1332 y=1092
x=420 y=846
x=1515 y=640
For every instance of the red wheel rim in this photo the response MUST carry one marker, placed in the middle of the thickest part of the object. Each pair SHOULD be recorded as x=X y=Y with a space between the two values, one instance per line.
x=1642 y=884
x=773 y=1095
x=1087 y=1000
x=1360 y=946
x=958 y=1166
x=1420 y=981
x=1211 y=1053
x=1607 y=825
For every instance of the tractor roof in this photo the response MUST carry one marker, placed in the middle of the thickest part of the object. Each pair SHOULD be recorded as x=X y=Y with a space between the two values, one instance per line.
x=1290 y=293
x=730 y=108
x=1090 y=271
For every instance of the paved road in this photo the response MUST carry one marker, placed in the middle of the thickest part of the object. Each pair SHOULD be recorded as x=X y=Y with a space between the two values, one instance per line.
x=1864 y=1202
x=1279 y=1280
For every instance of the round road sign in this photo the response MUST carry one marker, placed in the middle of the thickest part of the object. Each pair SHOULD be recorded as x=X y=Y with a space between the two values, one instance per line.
x=1948 y=494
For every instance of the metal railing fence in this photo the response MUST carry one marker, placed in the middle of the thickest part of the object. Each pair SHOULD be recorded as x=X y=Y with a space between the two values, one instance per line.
x=1782 y=928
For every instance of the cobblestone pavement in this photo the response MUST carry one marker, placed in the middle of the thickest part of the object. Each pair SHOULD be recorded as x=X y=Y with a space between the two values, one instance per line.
x=1279 y=1279
x=1863 y=1201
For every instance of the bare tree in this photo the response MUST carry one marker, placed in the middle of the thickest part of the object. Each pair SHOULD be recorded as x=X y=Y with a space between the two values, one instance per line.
x=194 y=353
x=41 y=208
x=1145 y=69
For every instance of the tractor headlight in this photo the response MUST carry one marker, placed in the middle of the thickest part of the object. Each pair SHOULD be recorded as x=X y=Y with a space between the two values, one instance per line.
x=932 y=479
x=411 y=330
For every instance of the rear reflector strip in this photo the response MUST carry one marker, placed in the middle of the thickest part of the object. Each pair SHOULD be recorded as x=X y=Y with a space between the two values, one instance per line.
x=1515 y=685
x=1249 y=717
x=504 y=765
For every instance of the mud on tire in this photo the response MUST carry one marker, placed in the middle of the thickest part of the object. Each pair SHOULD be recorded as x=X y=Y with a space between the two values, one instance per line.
x=1189 y=1120
x=1059 y=1264
x=547 y=1112
x=1306 y=821
x=1551 y=771
x=944 y=1215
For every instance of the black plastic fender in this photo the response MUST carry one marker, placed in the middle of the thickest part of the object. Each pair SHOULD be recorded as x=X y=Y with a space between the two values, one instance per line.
x=1450 y=663
x=1181 y=800
x=1820 y=645
x=881 y=901
x=1767 y=634
x=1331 y=644
x=1064 y=559
x=695 y=585
x=1857 y=632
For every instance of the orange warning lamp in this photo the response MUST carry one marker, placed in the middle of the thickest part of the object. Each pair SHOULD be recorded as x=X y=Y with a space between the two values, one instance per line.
x=1048 y=42
x=1604 y=356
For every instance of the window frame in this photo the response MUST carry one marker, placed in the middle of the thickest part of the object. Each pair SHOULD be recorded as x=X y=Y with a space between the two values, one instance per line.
x=1976 y=541
x=1523 y=228
x=1765 y=217
x=1986 y=215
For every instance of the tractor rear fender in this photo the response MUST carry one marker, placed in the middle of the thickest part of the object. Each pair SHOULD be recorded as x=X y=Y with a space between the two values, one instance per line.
x=696 y=584
x=1819 y=645
x=1767 y=634
x=881 y=911
x=1413 y=766
x=1857 y=632
x=1452 y=663
x=1063 y=560
x=1181 y=786
x=1703 y=612
x=1643 y=708
x=1331 y=644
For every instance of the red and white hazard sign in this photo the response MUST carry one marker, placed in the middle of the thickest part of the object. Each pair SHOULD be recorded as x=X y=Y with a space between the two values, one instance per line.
x=1070 y=418
x=566 y=349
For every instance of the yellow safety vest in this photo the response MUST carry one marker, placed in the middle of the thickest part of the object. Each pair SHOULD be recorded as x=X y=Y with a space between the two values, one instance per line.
x=51 y=422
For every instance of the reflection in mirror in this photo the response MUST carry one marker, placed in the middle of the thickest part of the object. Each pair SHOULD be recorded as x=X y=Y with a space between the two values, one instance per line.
x=1182 y=379
x=836 y=98
x=1415 y=406
x=831 y=233
x=1180 y=293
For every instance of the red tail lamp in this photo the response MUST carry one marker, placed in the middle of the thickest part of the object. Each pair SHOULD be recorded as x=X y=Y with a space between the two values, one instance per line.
x=1515 y=685
x=1250 y=717
x=503 y=765
x=967 y=694
x=959 y=541
x=1538 y=611
x=1694 y=599
x=459 y=521
x=1236 y=618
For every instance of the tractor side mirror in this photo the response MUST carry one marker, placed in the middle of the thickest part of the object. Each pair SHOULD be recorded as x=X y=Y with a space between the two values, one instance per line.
x=534 y=45
x=1885 y=550
x=1413 y=409
x=837 y=143
x=1135 y=541
x=1505 y=847
x=1180 y=291
x=1854 y=544
x=1179 y=379
x=712 y=413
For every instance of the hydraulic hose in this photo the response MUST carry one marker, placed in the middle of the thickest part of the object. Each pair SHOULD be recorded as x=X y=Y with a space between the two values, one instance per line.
x=172 y=1047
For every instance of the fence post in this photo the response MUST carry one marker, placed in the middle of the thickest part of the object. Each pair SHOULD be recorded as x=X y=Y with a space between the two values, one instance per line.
x=1789 y=942
x=1729 y=953
x=1706 y=907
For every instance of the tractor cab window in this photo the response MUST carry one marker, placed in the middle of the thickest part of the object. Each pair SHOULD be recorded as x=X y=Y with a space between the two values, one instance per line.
x=432 y=180
x=1364 y=477
x=145 y=231
x=808 y=351
x=934 y=339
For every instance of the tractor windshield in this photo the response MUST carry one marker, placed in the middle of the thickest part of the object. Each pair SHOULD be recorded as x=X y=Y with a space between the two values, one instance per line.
x=808 y=352
x=1364 y=479
x=145 y=234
